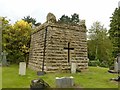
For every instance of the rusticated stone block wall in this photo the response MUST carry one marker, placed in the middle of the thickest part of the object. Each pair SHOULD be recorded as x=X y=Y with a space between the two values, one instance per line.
x=56 y=57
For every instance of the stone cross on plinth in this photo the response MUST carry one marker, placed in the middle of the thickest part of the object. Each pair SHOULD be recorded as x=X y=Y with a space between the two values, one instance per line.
x=4 y=60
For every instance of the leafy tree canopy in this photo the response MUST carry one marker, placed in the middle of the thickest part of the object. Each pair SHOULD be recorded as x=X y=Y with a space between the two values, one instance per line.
x=99 y=44
x=16 y=41
x=115 y=31
x=74 y=19
x=31 y=20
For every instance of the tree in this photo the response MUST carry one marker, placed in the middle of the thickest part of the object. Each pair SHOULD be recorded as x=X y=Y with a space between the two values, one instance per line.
x=17 y=41
x=64 y=19
x=74 y=19
x=5 y=28
x=115 y=31
x=31 y=20
x=99 y=45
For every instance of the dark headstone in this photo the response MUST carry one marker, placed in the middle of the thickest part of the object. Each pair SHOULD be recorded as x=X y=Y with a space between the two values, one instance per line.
x=38 y=83
x=112 y=71
x=40 y=73
x=116 y=79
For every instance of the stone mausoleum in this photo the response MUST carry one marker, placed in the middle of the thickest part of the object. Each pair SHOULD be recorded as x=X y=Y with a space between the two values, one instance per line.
x=54 y=46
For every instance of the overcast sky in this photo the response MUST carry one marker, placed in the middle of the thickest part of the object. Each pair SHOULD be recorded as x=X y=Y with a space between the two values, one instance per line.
x=90 y=10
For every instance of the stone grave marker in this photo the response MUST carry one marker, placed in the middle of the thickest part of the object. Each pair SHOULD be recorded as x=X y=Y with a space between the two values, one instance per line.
x=73 y=67
x=116 y=66
x=4 y=60
x=39 y=84
x=64 y=82
x=118 y=59
x=22 y=68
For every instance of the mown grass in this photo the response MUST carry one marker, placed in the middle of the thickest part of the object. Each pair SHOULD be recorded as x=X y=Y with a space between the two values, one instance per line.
x=95 y=77
x=0 y=78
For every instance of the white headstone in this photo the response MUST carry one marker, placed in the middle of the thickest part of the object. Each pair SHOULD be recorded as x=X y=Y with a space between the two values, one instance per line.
x=118 y=59
x=73 y=67
x=64 y=82
x=22 y=68
x=116 y=67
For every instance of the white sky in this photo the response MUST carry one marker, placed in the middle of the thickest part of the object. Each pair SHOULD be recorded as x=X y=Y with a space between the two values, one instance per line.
x=90 y=10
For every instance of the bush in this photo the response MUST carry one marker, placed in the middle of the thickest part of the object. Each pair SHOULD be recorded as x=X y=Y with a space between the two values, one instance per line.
x=98 y=63
x=94 y=63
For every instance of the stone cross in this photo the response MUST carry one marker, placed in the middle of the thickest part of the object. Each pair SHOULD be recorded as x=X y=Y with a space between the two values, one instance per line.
x=68 y=48
x=4 y=60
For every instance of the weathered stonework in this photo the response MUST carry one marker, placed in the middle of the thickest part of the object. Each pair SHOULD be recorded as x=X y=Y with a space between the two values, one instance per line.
x=57 y=37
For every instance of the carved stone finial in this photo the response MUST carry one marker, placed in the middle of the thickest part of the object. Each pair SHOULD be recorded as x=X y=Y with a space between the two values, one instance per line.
x=82 y=22
x=51 y=18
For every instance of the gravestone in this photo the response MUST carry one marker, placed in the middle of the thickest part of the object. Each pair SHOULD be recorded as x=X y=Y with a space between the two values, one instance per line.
x=116 y=66
x=73 y=67
x=40 y=73
x=64 y=82
x=38 y=83
x=4 y=60
x=22 y=68
x=118 y=60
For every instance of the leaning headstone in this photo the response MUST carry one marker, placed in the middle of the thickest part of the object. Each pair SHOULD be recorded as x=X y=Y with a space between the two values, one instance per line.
x=64 y=82
x=38 y=83
x=4 y=60
x=73 y=68
x=22 y=68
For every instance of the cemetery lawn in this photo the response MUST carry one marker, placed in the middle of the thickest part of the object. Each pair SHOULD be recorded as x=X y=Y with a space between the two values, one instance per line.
x=95 y=77
x=0 y=78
